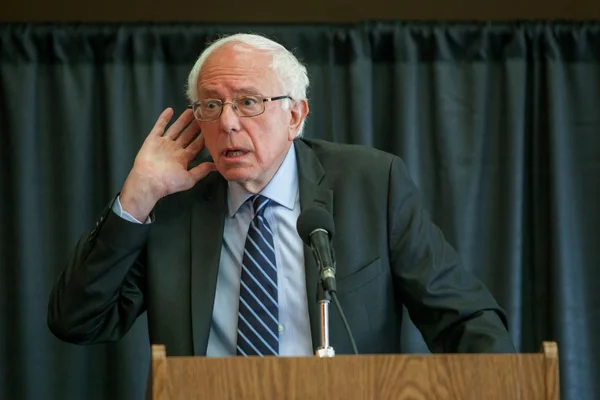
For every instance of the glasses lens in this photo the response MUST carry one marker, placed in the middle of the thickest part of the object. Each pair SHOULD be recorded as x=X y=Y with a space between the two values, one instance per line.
x=249 y=106
x=245 y=106
x=208 y=109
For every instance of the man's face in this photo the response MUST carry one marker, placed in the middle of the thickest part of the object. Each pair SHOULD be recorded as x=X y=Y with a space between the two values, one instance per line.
x=247 y=150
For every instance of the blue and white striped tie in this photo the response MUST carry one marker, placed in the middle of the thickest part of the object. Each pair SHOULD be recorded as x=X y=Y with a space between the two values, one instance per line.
x=258 y=318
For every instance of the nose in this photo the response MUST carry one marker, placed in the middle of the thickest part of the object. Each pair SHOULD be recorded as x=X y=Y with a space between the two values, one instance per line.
x=230 y=121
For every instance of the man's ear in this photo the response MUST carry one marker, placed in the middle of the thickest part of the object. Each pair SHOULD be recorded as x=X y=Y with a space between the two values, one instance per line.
x=298 y=110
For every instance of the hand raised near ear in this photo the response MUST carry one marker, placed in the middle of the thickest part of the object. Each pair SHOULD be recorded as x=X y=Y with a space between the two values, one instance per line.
x=161 y=165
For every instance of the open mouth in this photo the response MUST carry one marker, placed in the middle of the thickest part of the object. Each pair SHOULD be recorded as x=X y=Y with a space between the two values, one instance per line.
x=234 y=154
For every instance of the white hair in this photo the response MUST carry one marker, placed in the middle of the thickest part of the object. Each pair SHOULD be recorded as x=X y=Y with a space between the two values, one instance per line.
x=290 y=72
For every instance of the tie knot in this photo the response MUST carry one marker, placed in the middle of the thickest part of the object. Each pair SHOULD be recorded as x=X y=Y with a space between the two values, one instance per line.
x=259 y=203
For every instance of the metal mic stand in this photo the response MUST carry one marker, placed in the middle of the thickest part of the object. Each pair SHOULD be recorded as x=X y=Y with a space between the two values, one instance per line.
x=324 y=298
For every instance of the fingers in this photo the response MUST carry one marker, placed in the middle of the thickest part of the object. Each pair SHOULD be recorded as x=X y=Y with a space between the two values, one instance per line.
x=184 y=119
x=200 y=171
x=161 y=123
x=197 y=145
x=188 y=134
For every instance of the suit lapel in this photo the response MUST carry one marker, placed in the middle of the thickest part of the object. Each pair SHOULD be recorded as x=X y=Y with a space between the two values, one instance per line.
x=310 y=175
x=206 y=231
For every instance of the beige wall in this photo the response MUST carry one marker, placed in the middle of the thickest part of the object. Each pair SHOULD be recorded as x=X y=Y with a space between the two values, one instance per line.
x=295 y=11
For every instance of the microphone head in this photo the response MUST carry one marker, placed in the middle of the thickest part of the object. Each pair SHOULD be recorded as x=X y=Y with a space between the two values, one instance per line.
x=314 y=218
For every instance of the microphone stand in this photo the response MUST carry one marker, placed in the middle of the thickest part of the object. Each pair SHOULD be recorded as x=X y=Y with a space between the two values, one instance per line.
x=324 y=299
x=326 y=291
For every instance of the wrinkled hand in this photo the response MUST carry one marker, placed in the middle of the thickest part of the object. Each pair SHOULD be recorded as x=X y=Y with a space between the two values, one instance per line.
x=161 y=165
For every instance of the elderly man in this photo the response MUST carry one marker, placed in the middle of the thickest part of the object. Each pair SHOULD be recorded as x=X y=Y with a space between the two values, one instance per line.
x=209 y=248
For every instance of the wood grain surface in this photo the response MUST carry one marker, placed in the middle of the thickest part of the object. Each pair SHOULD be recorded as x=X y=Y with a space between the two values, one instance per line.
x=464 y=377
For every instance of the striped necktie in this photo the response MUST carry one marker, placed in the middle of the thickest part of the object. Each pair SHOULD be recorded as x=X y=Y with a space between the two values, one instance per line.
x=258 y=317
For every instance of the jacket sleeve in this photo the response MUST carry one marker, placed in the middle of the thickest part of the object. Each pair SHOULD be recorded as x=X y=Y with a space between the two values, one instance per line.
x=100 y=293
x=453 y=310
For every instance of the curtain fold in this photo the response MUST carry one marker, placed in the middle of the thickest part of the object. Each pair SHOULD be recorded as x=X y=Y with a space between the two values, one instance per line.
x=498 y=123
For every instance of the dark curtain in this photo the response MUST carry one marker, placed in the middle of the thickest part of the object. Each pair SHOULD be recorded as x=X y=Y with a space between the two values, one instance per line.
x=499 y=125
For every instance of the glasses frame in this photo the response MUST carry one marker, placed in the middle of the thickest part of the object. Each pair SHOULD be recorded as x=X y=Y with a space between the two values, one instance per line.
x=195 y=105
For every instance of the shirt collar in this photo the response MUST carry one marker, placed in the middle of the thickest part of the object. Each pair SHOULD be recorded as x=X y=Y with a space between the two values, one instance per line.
x=282 y=189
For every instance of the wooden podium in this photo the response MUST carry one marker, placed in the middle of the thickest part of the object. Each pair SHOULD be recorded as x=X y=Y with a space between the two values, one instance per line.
x=451 y=376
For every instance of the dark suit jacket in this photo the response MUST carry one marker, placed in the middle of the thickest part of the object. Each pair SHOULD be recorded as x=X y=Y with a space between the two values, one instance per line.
x=388 y=253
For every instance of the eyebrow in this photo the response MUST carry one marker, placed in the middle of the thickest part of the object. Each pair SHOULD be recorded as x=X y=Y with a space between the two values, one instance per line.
x=209 y=92
x=248 y=89
x=244 y=90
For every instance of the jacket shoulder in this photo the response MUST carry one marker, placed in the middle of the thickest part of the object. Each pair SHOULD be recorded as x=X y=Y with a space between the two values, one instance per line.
x=349 y=157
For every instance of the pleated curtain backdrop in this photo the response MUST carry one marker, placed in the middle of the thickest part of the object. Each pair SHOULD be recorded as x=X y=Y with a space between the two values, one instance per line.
x=499 y=125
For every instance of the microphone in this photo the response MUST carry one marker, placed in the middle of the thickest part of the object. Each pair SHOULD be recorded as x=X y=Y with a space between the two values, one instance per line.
x=316 y=229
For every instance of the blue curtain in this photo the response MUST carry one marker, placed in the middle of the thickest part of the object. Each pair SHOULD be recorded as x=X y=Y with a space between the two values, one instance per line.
x=499 y=124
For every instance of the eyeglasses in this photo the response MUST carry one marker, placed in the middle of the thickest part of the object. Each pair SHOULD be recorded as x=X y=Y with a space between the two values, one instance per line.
x=245 y=106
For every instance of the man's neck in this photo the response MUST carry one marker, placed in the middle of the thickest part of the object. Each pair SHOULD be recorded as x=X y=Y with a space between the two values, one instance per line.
x=282 y=187
x=255 y=186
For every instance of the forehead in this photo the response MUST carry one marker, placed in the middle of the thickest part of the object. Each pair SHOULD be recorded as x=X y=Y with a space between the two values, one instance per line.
x=237 y=68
